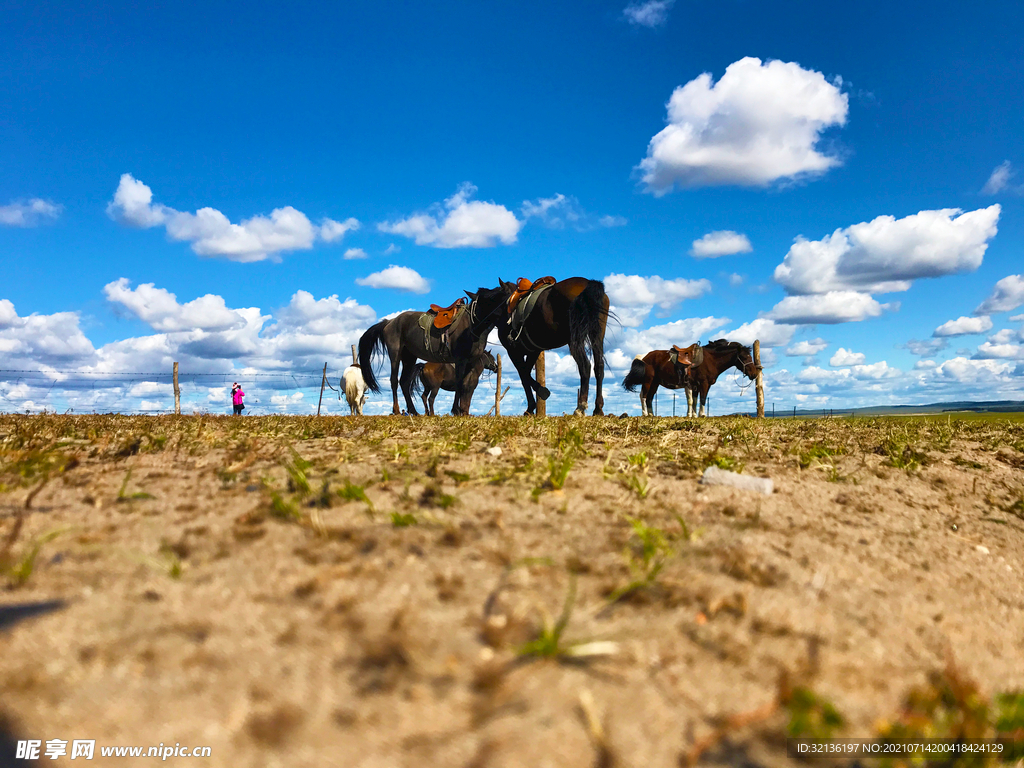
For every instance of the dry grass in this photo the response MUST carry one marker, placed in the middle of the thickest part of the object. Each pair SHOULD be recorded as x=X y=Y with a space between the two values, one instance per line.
x=294 y=590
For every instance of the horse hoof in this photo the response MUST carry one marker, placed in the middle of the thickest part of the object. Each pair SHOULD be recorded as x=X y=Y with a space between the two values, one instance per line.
x=598 y=412
x=580 y=412
x=543 y=393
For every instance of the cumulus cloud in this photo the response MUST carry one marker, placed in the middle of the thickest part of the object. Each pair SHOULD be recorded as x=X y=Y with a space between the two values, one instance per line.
x=999 y=180
x=398 y=278
x=770 y=333
x=29 y=213
x=963 y=326
x=650 y=14
x=760 y=123
x=844 y=357
x=459 y=223
x=160 y=309
x=637 y=291
x=829 y=308
x=355 y=253
x=722 y=243
x=1007 y=294
x=925 y=347
x=887 y=254
x=211 y=233
x=806 y=348
x=967 y=371
x=561 y=211
x=39 y=340
x=681 y=332
x=999 y=351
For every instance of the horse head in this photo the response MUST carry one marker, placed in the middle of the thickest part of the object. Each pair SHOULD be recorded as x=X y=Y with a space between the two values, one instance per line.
x=490 y=363
x=745 y=362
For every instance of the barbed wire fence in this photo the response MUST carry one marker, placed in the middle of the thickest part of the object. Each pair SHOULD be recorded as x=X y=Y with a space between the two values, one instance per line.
x=152 y=392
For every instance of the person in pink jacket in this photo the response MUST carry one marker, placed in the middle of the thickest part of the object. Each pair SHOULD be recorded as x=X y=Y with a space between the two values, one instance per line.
x=236 y=398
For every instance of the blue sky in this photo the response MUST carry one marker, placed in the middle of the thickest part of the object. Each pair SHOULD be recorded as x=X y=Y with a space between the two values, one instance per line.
x=278 y=160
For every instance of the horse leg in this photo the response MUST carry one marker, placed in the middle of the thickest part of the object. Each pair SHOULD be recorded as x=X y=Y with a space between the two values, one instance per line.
x=690 y=411
x=643 y=399
x=583 y=363
x=523 y=368
x=703 y=399
x=597 y=347
x=408 y=371
x=396 y=361
x=651 y=391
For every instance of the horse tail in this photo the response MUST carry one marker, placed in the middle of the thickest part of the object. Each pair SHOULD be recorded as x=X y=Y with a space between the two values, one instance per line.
x=588 y=316
x=370 y=342
x=417 y=378
x=636 y=376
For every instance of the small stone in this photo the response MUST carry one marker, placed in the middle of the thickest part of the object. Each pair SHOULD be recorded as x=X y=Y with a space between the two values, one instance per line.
x=495 y=451
x=983 y=550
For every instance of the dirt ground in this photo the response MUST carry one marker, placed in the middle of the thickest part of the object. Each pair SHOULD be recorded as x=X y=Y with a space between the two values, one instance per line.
x=385 y=591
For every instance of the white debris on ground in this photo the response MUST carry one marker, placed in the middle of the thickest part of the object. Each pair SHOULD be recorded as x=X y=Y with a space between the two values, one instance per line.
x=495 y=451
x=716 y=476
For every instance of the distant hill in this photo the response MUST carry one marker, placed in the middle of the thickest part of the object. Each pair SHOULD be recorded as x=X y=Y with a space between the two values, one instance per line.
x=954 y=406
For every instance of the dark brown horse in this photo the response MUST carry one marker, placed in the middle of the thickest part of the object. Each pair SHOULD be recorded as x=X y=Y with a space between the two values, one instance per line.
x=719 y=356
x=433 y=377
x=403 y=338
x=656 y=369
x=573 y=312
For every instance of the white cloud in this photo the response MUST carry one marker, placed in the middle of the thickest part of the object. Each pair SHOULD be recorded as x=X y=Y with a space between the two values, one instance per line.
x=844 y=357
x=355 y=253
x=651 y=14
x=392 y=248
x=1007 y=294
x=637 y=291
x=722 y=243
x=461 y=223
x=770 y=333
x=760 y=123
x=331 y=231
x=999 y=180
x=681 y=332
x=925 y=365
x=966 y=371
x=44 y=341
x=923 y=347
x=964 y=326
x=399 y=278
x=736 y=280
x=29 y=213
x=886 y=254
x=211 y=233
x=1016 y=318
x=160 y=309
x=829 y=308
x=879 y=370
x=806 y=348
x=1001 y=351
x=560 y=211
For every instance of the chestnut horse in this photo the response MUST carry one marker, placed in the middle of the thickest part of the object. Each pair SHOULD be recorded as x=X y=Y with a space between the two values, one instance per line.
x=719 y=356
x=431 y=377
x=656 y=369
x=574 y=312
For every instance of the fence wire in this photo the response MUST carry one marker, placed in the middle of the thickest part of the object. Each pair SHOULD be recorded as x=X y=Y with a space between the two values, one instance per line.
x=152 y=392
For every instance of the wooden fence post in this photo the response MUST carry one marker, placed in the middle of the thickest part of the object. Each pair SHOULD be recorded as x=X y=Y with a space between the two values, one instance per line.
x=759 y=381
x=323 y=381
x=354 y=360
x=177 y=393
x=497 y=391
x=542 y=406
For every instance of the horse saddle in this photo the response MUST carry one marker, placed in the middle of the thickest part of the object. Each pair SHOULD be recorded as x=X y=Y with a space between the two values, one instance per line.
x=690 y=356
x=524 y=286
x=445 y=316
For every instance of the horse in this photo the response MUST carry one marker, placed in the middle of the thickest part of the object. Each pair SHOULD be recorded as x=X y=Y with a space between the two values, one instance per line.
x=403 y=338
x=432 y=377
x=355 y=389
x=574 y=312
x=719 y=356
x=656 y=369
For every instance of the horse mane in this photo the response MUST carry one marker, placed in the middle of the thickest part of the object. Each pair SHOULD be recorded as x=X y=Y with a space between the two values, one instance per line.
x=720 y=345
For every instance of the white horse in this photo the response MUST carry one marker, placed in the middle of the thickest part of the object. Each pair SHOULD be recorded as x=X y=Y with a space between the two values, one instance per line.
x=355 y=389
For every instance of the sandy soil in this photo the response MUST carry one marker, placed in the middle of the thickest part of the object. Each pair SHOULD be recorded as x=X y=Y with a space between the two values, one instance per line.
x=362 y=592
